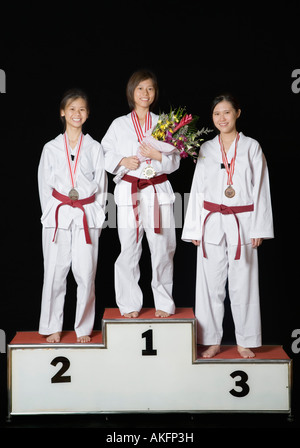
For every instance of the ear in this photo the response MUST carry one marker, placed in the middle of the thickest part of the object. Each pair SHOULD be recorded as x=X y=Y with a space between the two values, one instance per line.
x=62 y=113
x=238 y=113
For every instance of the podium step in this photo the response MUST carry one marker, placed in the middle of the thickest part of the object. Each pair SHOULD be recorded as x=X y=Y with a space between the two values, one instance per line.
x=148 y=314
x=265 y=353
x=67 y=337
x=143 y=364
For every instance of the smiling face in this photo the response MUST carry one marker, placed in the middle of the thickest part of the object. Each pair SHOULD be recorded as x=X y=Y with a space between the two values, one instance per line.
x=225 y=116
x=144 y=94
x=75 y=113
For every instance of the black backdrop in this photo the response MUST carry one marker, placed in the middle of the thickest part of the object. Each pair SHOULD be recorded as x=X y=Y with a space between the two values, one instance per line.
x=197 y=51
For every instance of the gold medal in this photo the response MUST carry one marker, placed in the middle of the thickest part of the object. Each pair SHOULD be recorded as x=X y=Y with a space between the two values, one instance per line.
x=73 y=194
x=149 y=172
x=229 y=192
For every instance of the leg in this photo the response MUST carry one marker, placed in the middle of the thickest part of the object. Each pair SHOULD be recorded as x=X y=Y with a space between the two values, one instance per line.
x=57 y=260
x=129 y=296
x=243 y=290
x=162 y=248
x=210 y=296
x=84 y=266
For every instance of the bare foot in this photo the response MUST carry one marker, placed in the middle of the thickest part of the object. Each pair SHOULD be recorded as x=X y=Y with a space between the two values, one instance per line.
x=160 y=313
x=211 y=351
x=54 y=337
x=83 y=339
x=132 y=314
x=245 y=352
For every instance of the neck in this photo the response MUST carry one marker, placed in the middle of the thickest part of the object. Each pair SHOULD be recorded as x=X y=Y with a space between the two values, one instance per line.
x=73 y=135
x=141 y=113
x=228 y=138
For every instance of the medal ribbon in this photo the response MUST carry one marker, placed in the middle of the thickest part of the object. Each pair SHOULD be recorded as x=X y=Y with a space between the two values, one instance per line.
x=138 y=127
x=229 y=169
x=72 y=172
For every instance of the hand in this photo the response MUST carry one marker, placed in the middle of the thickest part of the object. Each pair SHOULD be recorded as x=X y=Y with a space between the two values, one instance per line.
x=196 y=242
x=149 y=152
x=256 y=242
x=131 y=163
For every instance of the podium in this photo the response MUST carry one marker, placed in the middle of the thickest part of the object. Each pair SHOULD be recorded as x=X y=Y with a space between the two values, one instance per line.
x=145 y=364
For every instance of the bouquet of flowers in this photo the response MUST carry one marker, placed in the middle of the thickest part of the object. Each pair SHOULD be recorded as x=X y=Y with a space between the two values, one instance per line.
x=179 y=130
x=175 y=131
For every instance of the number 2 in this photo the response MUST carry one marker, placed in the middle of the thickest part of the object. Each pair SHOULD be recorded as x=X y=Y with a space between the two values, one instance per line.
x=58 y=377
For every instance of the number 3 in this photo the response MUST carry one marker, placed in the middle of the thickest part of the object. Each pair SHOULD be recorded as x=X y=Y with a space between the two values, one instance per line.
x=241 y=383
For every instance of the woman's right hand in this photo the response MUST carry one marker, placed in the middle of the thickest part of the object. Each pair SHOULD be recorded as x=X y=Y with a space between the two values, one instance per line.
x=131 y=163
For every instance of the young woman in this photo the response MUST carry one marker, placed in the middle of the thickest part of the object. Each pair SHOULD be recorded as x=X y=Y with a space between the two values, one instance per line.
x=145 y=200
x=72 y=187
x=228 y=216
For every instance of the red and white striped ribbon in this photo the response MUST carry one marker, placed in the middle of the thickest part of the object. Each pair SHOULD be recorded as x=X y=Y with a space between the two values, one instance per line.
x=229 y=169
x=137 y=125
x=72 y=170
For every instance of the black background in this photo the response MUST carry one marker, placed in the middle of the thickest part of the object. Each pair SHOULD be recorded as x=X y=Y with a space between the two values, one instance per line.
x=196 y=51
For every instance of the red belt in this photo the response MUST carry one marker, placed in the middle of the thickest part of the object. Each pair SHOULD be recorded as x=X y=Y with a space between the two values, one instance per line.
x=220 y=208
x=137 y=183
x=65 y=200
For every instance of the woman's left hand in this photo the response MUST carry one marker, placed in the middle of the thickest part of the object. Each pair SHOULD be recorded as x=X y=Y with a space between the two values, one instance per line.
x=149 y=152
x=256 y=242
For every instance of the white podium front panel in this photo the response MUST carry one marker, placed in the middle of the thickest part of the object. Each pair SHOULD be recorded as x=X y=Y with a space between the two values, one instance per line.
x=143 y=365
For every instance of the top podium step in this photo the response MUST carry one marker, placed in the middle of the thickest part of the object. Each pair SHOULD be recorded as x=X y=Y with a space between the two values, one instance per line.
x=149 y=314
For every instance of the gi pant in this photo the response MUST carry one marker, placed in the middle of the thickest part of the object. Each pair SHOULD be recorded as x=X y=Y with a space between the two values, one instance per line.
x=69 y=250
x=129 y=296
x=243 y=288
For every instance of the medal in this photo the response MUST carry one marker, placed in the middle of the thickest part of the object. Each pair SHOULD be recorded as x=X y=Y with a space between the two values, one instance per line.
x=149 y=172
x=229 y=192
x=73 y=194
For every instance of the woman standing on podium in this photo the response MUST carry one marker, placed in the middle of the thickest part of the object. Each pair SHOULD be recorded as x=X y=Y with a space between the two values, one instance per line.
x=144 y=197
x=73 y=188
x=228 y=216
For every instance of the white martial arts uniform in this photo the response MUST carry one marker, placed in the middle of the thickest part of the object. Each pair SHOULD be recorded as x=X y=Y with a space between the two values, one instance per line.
x=251 y=185
x=121 y=141
x=70 y=247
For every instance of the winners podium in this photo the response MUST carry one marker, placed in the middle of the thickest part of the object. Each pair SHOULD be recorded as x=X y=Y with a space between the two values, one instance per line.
x=146 y=364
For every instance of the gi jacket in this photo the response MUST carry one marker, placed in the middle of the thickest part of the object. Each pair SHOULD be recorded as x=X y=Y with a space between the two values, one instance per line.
x=121 y=141
x=91 y=178
x=251 y=185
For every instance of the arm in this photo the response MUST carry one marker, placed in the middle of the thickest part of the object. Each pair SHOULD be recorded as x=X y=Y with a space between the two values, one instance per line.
x=192 y=224
x=262 y=218
x=44 y=175
x=113 y=157
x=100 y=177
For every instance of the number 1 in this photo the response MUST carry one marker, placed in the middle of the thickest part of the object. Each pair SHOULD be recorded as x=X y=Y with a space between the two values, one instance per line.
x=148 y=335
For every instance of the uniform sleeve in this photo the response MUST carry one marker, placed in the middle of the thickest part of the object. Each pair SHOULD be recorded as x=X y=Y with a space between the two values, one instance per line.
x=192 y=223
x=101 y=178
x=262 y=217
x=170 y=162
x=44 y=179
x=111 y=154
